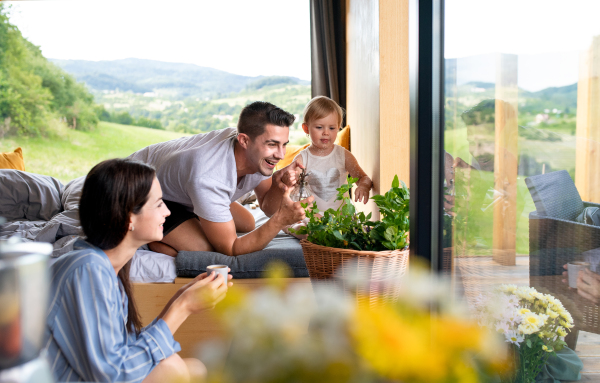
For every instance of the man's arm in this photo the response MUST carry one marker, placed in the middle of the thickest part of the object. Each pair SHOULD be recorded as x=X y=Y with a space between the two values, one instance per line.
x=223 y=238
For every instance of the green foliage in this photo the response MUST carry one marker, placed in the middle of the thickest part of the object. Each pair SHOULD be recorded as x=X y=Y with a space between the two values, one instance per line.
x=271 y=80
x=530 y=358
x=124 y=118
x=33 y=90
x=345 y=228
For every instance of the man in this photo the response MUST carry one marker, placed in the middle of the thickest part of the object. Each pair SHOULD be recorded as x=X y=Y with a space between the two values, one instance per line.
x=202 y=175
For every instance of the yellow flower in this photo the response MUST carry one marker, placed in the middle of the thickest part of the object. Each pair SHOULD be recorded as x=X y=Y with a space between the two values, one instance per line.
x=532 y=319
x=561 y=331
x=551 y=313
x=528 y=328
x=524 y=311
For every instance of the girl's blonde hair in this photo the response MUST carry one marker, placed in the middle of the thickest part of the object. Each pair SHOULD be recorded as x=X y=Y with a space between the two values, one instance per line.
x=320 y=107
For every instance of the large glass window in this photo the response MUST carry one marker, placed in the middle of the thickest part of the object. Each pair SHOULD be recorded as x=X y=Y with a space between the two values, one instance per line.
x=522 y=154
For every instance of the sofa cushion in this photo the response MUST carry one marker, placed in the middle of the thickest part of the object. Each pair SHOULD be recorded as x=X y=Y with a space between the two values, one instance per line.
x=253 y=265
x=555 y=195
x=12 y=160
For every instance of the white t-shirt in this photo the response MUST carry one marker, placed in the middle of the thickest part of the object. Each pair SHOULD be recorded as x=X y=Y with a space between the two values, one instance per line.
x=325 y=175
x=199 y=172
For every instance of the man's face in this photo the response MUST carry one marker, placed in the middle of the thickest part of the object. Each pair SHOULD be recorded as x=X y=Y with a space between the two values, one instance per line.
x=266 y=150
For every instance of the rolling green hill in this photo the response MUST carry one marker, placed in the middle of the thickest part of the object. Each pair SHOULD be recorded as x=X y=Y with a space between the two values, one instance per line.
x=173 y=80
x=73 y=153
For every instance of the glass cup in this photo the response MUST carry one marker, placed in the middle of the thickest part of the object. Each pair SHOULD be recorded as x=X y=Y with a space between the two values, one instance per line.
x=573 y=269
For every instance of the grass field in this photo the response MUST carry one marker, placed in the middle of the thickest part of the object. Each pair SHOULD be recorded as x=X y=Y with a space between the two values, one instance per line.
x=72 y=153
x=474 y=225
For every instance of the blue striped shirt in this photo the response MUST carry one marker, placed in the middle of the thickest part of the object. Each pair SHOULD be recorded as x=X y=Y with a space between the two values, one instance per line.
x=86 y=337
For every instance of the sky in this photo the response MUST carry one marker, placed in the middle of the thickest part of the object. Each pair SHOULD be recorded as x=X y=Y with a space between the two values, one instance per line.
x=547 y=35
x=272 y=37
x=251 y=38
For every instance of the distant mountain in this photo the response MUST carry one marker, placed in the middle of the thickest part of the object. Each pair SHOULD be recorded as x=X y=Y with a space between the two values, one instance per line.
x=563 y=98
x=170 y=79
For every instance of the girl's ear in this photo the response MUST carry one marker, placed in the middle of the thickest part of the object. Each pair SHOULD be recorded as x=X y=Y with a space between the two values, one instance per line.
x=243 y=139
x=305 y=128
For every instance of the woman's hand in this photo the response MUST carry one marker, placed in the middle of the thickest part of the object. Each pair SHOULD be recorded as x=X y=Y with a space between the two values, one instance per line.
x=588 y=284
x=204 y=292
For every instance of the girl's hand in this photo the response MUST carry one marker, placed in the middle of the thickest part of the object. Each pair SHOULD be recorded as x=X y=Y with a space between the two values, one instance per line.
x=361 y=193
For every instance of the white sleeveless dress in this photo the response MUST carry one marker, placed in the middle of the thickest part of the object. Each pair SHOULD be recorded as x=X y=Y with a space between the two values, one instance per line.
x=325 y=175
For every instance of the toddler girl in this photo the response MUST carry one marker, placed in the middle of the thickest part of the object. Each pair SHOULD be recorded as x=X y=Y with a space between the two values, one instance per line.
x=326 y=163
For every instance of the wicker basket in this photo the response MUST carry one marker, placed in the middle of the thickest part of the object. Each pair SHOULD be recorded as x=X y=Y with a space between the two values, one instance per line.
x=381 y=269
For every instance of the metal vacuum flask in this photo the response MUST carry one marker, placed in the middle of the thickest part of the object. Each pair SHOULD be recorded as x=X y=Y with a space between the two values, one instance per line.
x=24 y=283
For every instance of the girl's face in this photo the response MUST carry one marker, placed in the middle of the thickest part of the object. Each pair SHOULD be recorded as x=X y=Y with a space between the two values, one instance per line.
x=148 y=224
x=323 y=131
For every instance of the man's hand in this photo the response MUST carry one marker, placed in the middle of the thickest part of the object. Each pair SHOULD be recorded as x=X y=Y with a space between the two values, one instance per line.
x=289 y=211
x=288 y=176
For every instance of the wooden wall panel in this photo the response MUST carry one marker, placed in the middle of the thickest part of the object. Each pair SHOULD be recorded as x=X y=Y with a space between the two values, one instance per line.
x=394 y=135
x=587 y=179
x=362 y=71
x=377 y=90
x=506 y=160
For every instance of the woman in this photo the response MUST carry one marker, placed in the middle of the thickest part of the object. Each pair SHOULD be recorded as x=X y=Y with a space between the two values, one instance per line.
x=93 y=329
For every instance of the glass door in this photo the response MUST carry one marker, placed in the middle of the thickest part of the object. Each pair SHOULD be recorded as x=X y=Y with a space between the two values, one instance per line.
x=521 y=154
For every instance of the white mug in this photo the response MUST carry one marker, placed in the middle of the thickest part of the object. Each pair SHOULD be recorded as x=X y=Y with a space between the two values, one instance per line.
x=573 y=269
x=219 y=269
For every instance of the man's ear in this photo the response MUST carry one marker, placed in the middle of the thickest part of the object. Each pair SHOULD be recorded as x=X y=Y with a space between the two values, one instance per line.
x=243 y=139
x=305 y=128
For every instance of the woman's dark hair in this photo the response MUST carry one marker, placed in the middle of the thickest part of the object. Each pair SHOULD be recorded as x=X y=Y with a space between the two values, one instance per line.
x=113 y=190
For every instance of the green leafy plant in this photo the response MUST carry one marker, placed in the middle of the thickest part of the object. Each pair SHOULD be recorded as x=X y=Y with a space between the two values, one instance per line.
x=346 y=228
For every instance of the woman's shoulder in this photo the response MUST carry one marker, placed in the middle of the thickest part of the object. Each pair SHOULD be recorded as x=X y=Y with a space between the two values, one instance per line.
x=83 y=254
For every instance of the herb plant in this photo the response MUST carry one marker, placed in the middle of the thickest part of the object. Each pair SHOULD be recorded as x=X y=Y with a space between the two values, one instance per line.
x=346 y=228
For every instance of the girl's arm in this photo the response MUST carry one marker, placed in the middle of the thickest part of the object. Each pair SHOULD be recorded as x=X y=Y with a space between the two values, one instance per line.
x=363 y=186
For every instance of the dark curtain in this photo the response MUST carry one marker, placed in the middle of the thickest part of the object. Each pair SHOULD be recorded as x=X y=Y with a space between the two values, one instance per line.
x=328 y=49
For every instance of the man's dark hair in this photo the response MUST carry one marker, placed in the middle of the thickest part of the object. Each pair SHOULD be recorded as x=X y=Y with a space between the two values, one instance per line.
x=255 y=117
x=112 y=191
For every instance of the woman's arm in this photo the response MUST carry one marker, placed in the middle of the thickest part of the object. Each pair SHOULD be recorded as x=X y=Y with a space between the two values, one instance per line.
x=89 y=329
x=363 y=186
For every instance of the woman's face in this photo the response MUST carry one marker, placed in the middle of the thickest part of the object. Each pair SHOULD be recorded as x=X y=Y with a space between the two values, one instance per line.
x=148 y=224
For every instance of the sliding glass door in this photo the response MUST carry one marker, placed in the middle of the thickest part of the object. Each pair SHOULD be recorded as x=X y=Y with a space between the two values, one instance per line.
x=513 y=118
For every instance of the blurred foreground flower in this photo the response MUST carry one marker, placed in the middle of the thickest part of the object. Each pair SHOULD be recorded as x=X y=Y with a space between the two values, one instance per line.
x=282 y=335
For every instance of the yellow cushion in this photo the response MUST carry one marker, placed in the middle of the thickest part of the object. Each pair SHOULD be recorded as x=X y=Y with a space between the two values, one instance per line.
x=291 y=152
x=343 y=137
x=12 y=160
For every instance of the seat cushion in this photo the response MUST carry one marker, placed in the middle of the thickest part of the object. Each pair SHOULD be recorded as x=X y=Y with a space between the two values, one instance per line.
x=555 y=195
x=253 y=265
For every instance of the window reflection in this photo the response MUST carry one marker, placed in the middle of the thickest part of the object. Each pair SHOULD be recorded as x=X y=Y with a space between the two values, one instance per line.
x=522 y=154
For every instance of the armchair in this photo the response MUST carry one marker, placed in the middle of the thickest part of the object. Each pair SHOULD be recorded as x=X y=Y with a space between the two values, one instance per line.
x=555 y=238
